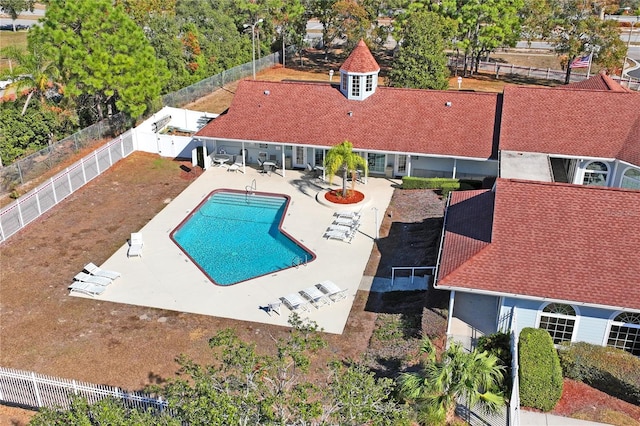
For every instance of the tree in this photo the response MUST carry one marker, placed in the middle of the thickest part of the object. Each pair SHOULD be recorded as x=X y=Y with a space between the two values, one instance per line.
x=473 y=376
x=421 y=62
x=101 y=53
x=341 y=157
x=351 y=22
x=34 y=74
x=574 y=29
x=13 y=8
x=104 y=412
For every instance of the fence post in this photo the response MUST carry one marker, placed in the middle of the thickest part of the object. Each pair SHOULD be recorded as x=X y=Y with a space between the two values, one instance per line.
x=75 y=387
x=35 y=387
x=84 y=173
x=19 y=213
x=95 y=155
x=20 y=173
x=38 y=198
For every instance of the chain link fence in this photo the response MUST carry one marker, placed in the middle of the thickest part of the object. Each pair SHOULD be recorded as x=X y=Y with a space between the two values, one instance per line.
x=37 y=164
x=189 y=94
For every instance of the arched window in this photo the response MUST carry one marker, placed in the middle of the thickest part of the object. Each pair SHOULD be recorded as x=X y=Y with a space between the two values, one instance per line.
x=595 y=174
x=625 y=333
x=631 y=179
x=559 y=320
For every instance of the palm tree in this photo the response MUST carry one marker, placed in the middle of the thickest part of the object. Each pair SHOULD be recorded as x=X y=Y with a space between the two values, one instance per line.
x=342 y=157
x=473 y=376
x=34 y=74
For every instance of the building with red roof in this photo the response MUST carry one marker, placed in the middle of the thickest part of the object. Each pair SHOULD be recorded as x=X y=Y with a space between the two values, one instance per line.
x=552 y=245
x=552 y=255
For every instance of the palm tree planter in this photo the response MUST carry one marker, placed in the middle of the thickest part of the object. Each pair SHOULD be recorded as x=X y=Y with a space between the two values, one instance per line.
x=342 y=158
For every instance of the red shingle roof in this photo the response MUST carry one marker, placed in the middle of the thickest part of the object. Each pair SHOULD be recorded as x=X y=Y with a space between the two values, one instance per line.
x=557 y=241
x=588 y=123
x=392 y=119
x=360 y=60
x=599 y=81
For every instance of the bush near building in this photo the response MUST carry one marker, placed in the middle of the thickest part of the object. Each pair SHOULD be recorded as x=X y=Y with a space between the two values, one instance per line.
x=611 y=370
x=540 y=372
x=445 y=185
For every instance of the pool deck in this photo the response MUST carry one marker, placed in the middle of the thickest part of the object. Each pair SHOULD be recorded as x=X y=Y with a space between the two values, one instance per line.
x=165 y=278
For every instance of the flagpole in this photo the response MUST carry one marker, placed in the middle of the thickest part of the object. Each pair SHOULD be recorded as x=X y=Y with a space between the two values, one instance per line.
x=589 y=69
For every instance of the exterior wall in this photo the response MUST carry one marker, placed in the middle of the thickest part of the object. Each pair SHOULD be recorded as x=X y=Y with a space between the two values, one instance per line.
x=591 y=323
x=443 y=167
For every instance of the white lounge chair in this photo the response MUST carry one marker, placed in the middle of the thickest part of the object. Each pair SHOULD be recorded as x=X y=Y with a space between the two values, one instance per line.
x=83 y=276
x=99 y=272
x=332 y=291
x=315 y=296
x=346 y=221
x=135 y=245
x=87 y=288
x=339 y=234
x=347 y=214
x=294 y=302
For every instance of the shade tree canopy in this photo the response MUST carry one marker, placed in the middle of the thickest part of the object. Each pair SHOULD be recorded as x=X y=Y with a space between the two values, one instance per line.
x=101 y=53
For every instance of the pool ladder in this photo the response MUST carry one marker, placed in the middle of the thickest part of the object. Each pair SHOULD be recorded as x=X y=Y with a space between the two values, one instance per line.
x=251 y=188
x=297 y=261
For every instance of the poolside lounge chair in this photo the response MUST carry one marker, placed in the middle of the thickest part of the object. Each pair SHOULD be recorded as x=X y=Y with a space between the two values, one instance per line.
x=83 y=276
x=346 y=221
x=135 y=245
x=87 y=288
x=315 y=296
x=99 y=272
x=347 y=214
x=332 y=291
x=342 y=228
x=294 y=302
x=338 y=234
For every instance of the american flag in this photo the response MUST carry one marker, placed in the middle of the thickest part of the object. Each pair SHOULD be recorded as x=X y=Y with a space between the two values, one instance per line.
x=581 y=62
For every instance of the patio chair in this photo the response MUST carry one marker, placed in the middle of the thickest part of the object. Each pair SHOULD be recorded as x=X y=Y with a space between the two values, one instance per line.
x=135 y=245
x=87 y=288
x=294 y=302
x=273 y=307
x=83 y=276
x=332 y=291
x=315 y=296
x=99 y=272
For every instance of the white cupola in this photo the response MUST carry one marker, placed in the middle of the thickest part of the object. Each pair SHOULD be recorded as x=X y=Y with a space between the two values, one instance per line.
x=359 y=74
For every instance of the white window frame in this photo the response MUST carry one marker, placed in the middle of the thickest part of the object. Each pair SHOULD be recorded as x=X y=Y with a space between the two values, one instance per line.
x=586 y=172
x=576 y=318
x=356 y=90
x=612 y=321
x=632 y=179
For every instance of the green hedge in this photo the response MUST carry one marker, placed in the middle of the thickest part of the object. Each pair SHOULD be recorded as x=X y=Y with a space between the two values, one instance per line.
x=445 y=185
x=613 y=371
x=540 y=372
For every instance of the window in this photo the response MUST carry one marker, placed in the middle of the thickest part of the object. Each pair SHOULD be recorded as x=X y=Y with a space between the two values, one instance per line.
x=355 y=85
x=631 y=179
x=318 y=157
x=625 y=333
x=402 y=164
x=559 y=320
x=595 y=174
x=368 y=85
x=376 y=162
x=344 y=81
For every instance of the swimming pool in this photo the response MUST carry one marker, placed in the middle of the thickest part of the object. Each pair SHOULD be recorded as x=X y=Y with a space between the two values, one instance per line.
x=234 y=236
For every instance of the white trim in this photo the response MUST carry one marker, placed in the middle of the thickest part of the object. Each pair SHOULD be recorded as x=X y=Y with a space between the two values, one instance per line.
x=611 y=321
x=584 y=171
x=622 y=176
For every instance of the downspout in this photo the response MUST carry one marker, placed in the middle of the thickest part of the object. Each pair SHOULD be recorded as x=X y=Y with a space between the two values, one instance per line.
x=437 y=270
x=455 y=168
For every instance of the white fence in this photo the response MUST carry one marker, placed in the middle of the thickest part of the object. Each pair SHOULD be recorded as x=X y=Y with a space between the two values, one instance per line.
x=28 y=389
x=32 y=205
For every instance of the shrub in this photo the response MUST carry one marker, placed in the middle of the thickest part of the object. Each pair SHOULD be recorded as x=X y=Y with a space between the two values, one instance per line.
x=540 y=371
x=613 y=371
x=499 y=344
x=446 y=185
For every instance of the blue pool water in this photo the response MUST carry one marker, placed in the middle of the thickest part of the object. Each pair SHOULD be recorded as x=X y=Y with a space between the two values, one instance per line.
x=233 y=236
